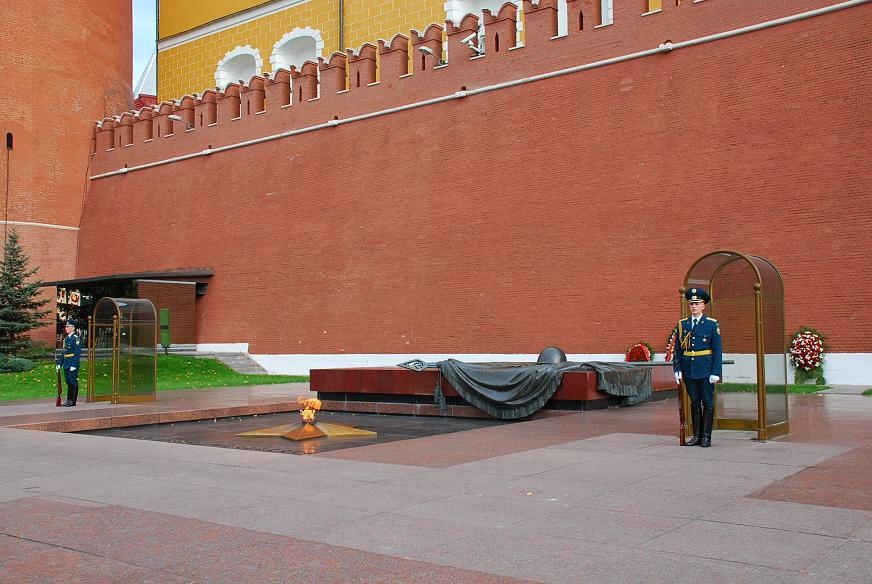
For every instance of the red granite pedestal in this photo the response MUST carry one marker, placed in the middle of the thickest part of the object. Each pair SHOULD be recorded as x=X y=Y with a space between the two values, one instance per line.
x=396 y=390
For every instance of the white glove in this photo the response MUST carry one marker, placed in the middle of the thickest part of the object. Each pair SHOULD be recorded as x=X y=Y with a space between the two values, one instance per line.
x=678 y=377
x=714 y=378
x=57 y=367
x=73 y=369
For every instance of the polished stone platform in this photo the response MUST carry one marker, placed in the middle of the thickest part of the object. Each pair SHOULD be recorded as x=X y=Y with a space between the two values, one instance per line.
x=169 y=407
x=396 y=390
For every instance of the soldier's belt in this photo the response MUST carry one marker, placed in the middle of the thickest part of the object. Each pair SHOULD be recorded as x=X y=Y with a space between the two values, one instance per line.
x=698 y=353
x=69 y=354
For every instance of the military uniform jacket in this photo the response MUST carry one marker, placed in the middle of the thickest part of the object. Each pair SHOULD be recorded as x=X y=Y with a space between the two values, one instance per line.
x=698 y=353
x=72 y=353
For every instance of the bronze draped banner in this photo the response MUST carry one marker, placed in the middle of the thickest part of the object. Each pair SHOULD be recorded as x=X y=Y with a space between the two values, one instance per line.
x=515 y=391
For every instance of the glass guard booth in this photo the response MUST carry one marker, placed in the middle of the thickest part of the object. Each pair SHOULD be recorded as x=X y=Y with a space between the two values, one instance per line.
x=747 y=299
x=122 y=351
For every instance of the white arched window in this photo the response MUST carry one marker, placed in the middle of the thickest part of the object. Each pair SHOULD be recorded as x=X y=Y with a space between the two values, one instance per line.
x=240 y=64
x=296 y=47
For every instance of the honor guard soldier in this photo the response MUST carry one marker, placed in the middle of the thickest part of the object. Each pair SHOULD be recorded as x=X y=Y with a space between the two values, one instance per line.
x=69 y=361
x=699 y=361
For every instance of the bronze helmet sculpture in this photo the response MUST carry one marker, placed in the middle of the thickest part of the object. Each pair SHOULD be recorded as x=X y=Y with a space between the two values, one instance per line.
x=552 y=355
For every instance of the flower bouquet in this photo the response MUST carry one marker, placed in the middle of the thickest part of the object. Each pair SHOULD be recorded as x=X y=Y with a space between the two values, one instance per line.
x=807 y=356
x=640 y=352
x=670 y=344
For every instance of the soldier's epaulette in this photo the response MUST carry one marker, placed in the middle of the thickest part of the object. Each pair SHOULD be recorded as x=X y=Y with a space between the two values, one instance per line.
x=712 y=319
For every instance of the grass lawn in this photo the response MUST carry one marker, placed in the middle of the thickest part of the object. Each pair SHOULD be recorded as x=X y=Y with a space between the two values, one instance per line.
x=752 y=388
x=173 y=372
x=868 y=392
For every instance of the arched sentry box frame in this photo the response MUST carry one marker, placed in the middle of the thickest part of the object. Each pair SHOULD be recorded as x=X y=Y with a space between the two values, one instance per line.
x=747 y=299
x=122 y=351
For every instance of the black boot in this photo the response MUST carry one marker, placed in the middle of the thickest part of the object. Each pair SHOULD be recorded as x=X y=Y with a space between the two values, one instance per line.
x=708 y=418
x=695 y=416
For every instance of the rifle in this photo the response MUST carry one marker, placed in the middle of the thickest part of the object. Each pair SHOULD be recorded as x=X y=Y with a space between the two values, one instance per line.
x=59 y=353
x=683 y=407
x=60 y=389
x=683 y=401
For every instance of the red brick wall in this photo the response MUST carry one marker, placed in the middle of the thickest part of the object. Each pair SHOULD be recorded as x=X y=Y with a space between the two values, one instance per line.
x=180 y=299
x=560 y=212
x=64 y=64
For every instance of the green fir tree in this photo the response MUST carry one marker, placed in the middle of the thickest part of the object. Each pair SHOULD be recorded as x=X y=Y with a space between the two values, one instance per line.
x=19 y=298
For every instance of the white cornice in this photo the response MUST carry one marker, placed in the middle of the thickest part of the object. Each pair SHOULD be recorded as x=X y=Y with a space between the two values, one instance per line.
x=225 y=23
x=42 y=225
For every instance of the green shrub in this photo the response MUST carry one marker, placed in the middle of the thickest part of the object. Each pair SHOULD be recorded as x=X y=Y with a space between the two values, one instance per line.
x=15 y=364
x=36 y=350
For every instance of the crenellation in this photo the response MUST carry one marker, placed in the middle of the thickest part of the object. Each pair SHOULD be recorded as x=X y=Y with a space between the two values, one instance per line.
x=124 y=130
x=393 y=58
x=228 y=103
x=278 y=90
x=333 y=78
x=426 y=48
x=362 y=66
x=105 y=136
x=500 y=28
x=470 y=22
x=305 y=82
x=185 y=110
x=540 y=22
x=398 y=69
x=206 y=109
x=143 y=127
x=162 y=124
x=459 y=53
x=252 y=96
x=580 y=15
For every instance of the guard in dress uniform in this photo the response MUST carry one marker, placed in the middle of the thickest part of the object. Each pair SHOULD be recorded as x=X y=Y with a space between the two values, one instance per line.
x=699 y=361
x=69 y=360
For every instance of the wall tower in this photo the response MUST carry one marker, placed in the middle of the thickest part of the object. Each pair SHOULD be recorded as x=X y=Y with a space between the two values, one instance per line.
x=65 y=64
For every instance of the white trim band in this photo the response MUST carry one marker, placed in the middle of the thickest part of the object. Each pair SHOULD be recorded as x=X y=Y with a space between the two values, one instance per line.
x=43 y=225
x=222 y=347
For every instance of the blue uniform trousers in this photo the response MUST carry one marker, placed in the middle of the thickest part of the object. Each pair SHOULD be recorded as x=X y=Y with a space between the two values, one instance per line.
x=72 y=379
x=700 y=390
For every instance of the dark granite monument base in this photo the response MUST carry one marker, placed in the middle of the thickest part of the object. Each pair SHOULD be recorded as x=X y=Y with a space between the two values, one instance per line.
x=395 y=390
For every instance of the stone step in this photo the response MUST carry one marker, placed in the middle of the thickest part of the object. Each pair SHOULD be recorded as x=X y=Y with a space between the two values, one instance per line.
x=241 y=363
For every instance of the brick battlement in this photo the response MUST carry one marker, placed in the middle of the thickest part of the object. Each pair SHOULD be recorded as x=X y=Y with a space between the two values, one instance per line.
x=377 y=78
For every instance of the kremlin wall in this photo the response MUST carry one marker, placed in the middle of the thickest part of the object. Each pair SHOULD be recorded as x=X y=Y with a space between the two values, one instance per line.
x=360 y=212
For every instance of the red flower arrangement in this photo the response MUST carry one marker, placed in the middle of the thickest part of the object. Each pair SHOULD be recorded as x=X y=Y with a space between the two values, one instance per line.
x=640 y=352
x=807 y=355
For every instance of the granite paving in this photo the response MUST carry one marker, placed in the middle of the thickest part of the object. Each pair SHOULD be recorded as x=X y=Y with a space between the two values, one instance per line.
x=599 y=496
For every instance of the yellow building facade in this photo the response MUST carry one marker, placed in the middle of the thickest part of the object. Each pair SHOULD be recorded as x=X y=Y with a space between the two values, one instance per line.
x=196 y=38
x=208 y=43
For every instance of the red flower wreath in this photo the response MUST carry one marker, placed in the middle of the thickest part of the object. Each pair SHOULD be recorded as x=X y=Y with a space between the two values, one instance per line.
x=640 y=352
